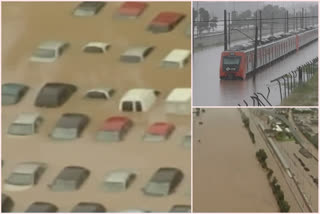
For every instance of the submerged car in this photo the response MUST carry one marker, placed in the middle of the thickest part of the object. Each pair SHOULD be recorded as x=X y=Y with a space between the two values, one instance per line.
x=6 y=203
x=12 y=93
x=25 y=124
x=49 y=51
x=186 y=141
x=163 y=182
x=159 y=131
x=42 y=207
x=136 y=54
x=165 y=22
x=24 y=176
x=54 y=94
x=131 y=9
x=180 y=209
x=177 y=58
x=70 y=126
x=89 y=8
x=118 y=180
x=70 y=179
x=88 y=207
x=114 y=129
x=96 y=47
x=100 y=93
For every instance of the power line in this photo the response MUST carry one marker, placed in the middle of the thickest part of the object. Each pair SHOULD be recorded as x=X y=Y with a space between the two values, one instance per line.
x=253 y=19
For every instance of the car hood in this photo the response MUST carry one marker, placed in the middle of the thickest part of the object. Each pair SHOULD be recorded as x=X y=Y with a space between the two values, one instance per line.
x=16 y=188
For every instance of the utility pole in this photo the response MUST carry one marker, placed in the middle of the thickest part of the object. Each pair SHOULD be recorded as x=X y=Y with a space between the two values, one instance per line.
x=225 y=31
x=271 y=24
x=229 y=30
x=301 y=18
x=284 y=22
x=260 y=24
x=287 y=21
x=255 y=52
x=295 y=20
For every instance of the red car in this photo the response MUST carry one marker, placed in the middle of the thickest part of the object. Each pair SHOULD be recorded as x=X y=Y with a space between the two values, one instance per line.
x=159 y=131
x=132 y=9
x=165 y=22
x=114 y=129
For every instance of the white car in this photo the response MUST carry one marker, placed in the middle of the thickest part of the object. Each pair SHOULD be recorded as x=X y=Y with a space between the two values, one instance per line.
x=49 y=51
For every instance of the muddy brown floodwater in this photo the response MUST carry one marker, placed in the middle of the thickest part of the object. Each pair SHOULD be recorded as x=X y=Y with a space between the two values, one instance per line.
x=226 y=175
x=24 y=26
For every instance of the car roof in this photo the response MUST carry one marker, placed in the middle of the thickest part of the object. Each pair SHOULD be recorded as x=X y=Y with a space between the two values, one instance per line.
x=136 y=51
x=88 y=207
x=13 y=88
x=132 y=8
x=105 y=91
x=97 y=44
x=27 y=118
x=138 y=94
x=41 y=206
x=179 y=95
x=115 y=123
x=28 y=167
x=72 y=120
x=160 y=128
x=177 y=55
x=165 y=174
x=72 y=173
x=91 y=4
x=52 y=44
x=118 y=176
x=167 y=18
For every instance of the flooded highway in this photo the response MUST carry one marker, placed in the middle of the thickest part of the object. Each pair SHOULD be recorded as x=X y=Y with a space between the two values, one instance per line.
x=226 y=175
x=208 y=90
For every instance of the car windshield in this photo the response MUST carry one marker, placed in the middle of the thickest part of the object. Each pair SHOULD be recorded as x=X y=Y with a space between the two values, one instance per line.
x=20 y=179
x=63 y=133
x=114 y=186
x=20 y=129
x=93 y=49
x=8 y=99
x=231 y=60
x=109 y=136
x=97 y=95
x=44 y=53
x=131 y=59
x=157 y=188
x=154 y=138
x=61 y=185
x=170 y=64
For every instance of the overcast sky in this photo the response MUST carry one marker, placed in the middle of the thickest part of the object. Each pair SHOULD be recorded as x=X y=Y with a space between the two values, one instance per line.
x=217 y=8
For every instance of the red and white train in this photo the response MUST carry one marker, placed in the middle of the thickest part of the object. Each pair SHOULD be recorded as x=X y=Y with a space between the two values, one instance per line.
x=237 y=62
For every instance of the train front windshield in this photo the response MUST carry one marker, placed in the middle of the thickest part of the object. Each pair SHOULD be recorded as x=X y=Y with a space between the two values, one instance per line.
x=231 y=60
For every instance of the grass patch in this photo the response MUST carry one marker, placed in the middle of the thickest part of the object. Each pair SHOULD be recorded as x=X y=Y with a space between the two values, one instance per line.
x=304 y=95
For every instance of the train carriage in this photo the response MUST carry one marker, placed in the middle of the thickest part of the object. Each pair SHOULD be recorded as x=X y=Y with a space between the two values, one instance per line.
x=237 y=63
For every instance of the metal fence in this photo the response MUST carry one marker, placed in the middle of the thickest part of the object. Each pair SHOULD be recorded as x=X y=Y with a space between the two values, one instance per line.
x=286 y=83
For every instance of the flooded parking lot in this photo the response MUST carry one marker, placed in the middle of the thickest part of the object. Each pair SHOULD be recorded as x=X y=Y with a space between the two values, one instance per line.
x=24 y=26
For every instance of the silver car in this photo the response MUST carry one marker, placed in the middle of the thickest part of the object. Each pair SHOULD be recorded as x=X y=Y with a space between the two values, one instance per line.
x=88 y=8
x=25 y=124
x=24 y=176
x=49 y=51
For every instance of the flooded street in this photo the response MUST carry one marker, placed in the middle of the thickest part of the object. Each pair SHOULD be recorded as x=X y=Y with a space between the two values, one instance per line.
x=24 y=26
x=208 y=90
x=226 y=174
